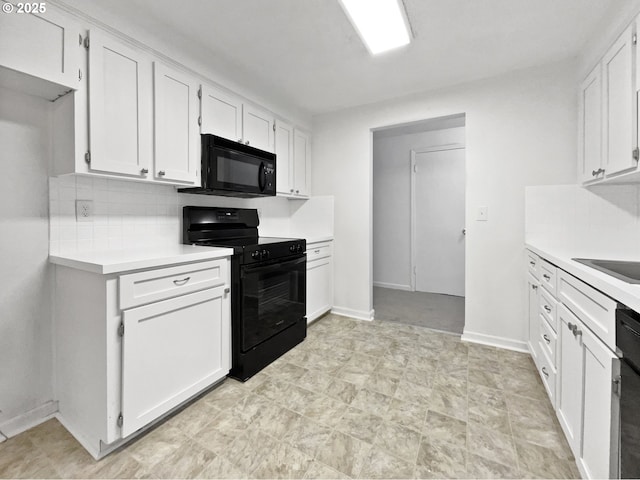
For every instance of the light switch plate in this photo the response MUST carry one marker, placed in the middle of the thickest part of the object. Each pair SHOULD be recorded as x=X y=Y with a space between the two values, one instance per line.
x=84 y=210
x=482 y=214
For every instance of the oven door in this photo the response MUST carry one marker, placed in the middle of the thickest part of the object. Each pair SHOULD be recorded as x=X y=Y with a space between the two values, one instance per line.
x=273 y=297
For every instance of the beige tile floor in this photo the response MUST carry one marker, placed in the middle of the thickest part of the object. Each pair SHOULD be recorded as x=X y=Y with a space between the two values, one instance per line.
x=356 y=399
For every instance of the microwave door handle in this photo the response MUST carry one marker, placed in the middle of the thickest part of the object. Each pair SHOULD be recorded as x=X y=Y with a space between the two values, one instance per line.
x=262 y=177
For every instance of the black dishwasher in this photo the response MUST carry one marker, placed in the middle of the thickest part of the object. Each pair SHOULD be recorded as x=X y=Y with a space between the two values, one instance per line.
x=628 y=342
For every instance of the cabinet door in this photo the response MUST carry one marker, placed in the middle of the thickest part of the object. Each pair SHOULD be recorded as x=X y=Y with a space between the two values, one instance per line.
x=319 y=288
x=284 y=158
x=600 y=411
x=590 y=126
x=570 y=370
x=533 y=317
x=44 y=45
x=120 y=121
x=171 y=350
x=301 y=166
x=176 y=136
x=618 y=105
x=220 y=113
x=257 y=128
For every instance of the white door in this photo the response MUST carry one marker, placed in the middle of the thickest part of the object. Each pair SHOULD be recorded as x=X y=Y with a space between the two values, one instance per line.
x=590 y=126
x=175 y=124
x=439 y=198
x=221 y=114
x=171 y=350
x=301 y=155
x=284 y=158
x=598 y=459
x=617 y=83
x=120 y=96
x=257 y=128
x=570 y=369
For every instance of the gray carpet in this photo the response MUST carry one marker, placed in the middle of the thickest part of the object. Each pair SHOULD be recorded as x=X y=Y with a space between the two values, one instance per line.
x=431 y=310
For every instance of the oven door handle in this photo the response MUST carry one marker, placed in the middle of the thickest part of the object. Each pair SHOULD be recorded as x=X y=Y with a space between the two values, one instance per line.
x=273 y=265
x=262 y=177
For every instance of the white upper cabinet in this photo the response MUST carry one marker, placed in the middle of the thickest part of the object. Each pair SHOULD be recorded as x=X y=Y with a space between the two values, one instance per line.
x=176 y=131
x=43 y=44
x=590 y=123
x=284 y=158
x=120 y=121
x=302 y=167
x=220 y=113
x=618 y=105
x=257 y=128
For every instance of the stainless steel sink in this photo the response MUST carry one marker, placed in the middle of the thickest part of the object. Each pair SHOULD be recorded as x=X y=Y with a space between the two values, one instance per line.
x=626 y=271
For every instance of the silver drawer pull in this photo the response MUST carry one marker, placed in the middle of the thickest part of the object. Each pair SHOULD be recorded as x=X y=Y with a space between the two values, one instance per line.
x=546 y=339
x=316 y=251
x=544 y=370
x=535 y=287
x=571 y=326
x=547 y=308
x=532 y=263
x=182 y=282
x=546 y=277
x=576 y=332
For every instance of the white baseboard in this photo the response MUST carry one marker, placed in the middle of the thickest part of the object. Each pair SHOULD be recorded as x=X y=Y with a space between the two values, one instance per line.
x=25 y=421
x=358 y=314
x=394 y=286
x=493 y=341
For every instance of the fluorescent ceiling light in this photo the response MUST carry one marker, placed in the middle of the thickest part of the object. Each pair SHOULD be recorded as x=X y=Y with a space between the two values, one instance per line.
x=382 y=24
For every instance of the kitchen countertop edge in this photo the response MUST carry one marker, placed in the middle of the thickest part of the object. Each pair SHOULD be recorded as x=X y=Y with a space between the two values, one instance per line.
x=620 y=291
x=321 y=239
x=109 y=262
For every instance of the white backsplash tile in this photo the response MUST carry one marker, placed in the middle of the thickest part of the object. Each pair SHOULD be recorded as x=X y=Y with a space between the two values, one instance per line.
x=603 y=220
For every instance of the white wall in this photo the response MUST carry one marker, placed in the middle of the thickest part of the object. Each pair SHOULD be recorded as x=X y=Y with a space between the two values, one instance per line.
x=520 y=130
x=392 y=201
x=25 y=280
x=596 y=222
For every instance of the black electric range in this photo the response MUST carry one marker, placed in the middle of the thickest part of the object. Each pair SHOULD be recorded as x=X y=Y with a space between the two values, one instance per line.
x=268 y=284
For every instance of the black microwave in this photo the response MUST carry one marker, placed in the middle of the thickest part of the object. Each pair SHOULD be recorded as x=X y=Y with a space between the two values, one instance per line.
x=233 y=169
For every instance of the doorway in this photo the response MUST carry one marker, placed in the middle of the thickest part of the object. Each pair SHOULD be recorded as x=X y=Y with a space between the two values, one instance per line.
x=419 y=223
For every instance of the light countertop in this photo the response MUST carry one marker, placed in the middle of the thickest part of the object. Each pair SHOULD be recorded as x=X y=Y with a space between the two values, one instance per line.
x=623 y=292
x=318 y=239
x=118 y=261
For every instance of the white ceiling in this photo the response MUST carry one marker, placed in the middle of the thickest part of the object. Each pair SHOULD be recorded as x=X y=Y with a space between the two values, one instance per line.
x=307 y=53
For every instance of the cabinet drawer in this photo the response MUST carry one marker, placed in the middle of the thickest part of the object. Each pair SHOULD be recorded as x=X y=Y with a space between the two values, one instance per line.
x=548 y=277
x=317 y=251
x=154 y=285
x=533 y=263
x=548 y=340
x=549 y=308
x=548 y=374
x=593 y=308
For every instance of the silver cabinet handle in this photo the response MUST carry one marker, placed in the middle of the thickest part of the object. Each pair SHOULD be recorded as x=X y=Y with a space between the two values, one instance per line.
x=464 y=231
x=594 y=173
x=316 y=251
x=535 y=287
x=144 y=171
x=546 y=277
x=546 y=339
x=548 y=310
x=533 y=264
x=297 y=191
x=571 y=326
x=247 y=142
x=240 y=140
x=161 y=173
x=544 y=370
x=577 y=332
x=292 y=190
x=181 y=282
x=227 y=290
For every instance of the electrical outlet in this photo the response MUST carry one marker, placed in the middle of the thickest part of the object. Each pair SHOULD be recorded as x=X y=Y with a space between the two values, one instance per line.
x=482 y=214
x=84 y=210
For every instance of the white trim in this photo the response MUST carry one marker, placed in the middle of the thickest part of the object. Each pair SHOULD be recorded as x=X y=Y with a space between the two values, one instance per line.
x=27 y=420
x=412 y=203
x=491 y=340
x=357 y=314
x=394 y=286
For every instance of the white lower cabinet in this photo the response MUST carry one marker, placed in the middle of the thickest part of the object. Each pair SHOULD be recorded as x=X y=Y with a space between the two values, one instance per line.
x=581 y=386
x=533 y=317
x=118 y=369
x=319 y=279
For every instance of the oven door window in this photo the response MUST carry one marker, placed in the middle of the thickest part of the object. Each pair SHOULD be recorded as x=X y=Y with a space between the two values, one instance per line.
x=273 y=297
